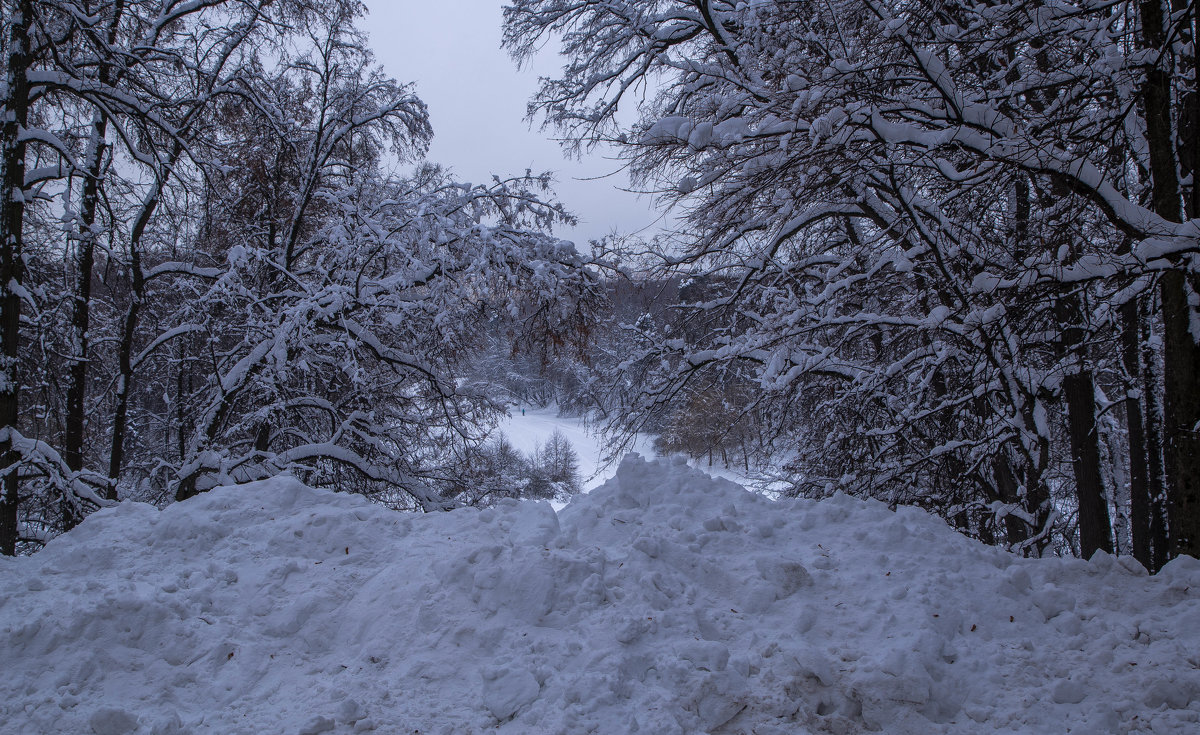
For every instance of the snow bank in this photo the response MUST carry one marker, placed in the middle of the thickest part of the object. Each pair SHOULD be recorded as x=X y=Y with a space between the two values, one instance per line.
x=664 y=602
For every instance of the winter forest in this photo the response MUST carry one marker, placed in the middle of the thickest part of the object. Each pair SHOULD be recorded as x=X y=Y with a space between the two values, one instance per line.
x=927 y=283
x=939 y=254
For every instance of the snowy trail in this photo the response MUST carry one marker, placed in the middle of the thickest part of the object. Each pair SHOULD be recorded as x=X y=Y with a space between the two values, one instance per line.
x=665 y=603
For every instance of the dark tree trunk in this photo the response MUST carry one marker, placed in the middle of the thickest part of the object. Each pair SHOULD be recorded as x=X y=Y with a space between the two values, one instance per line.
x=12 y=219
x=1016 y=530
x=1181 y=354
x=1139 y=460
x=1188 y=102
x=85 y=250
x=1160 y=543
x=116 y=456
x=1181 y=417
x=1035 y=502
x=77 y=382
x=1185 y=382
x=1037 y=499
x=182 y=382
x=1095 y=527
x=125 y=366
x=1079 y=391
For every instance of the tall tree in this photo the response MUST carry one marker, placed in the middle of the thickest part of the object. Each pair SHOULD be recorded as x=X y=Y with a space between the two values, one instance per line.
x=13 y=123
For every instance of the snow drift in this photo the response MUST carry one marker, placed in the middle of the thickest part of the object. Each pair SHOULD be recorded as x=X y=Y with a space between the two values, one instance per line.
x=664 y=602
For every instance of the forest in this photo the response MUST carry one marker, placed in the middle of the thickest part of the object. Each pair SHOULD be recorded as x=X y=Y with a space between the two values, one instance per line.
x=939 y=253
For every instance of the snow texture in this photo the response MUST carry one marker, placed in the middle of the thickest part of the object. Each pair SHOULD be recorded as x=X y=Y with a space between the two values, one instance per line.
x=664 y=602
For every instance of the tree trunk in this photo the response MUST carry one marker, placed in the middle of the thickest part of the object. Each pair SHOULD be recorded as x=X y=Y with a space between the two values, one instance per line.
x=85 y=249
x=1079 y=391
x=1095 y=527
x=1160 y=545
x=1181 y=415
x=1189 y=113
x=1016 y=530
x=1148 y=494
x=125 y=366
x=116 y=455
x=77 y=380
x=1181 y=354
x=14 y=118
x=1139 y=459
x=1114 y=445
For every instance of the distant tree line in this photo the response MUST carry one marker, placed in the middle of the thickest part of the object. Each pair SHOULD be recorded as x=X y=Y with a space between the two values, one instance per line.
x=497 y=470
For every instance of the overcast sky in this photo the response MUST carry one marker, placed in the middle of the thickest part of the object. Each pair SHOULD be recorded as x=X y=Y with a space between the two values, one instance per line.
x=477 y=99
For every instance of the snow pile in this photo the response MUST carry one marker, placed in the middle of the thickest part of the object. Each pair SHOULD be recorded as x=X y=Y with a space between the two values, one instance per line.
x=664 y=602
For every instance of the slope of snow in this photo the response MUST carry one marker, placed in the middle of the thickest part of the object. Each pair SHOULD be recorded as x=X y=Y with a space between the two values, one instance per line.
x=532 y=429
x=526 y=432
x=663 y=602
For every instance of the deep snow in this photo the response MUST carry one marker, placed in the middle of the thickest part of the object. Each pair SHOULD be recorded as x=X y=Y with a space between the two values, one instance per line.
x=663 y=602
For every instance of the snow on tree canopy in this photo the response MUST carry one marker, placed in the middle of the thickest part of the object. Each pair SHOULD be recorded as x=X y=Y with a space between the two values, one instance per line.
x=664 y=602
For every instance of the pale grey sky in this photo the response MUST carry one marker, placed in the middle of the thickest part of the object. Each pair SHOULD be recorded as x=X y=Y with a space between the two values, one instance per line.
x=477 y=99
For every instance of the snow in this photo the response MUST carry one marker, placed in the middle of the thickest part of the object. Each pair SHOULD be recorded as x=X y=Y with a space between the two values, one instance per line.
x=665 y=601
x=529 y=430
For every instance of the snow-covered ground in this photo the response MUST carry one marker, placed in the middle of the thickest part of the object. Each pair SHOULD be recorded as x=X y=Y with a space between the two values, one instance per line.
x=529 y=430
x=664 y=602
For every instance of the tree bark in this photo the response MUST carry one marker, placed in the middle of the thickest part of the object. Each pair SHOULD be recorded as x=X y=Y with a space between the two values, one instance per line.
x=1139 y=459
x=1181 y=414
x=1016 y=530
x=1156 y=474
x=12 y=198
x=125 y=366
x=1095 y=527
x=116 y=455
x=1079 y=391
x=1181 y=353
x=77 y=376
x=85 y=249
